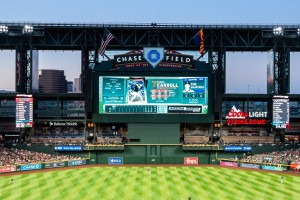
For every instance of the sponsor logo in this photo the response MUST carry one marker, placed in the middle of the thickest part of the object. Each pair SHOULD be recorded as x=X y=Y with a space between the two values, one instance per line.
x=68 y=148
x=115 y=160
x=247 y=165
x=7 y=169
x=76 y=162
x=191 y=160
x=231 y=164
x=153 y=55
x=237 y=148
x=63 y=124
x=31 y=167
x=54 y=165
x=265 y=167
x=236 y=116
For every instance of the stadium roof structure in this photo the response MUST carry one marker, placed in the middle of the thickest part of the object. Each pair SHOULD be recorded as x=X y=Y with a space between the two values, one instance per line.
x=73 y=36
x=281 y=39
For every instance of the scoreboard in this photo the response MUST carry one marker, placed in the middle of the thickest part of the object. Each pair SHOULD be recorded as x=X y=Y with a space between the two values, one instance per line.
x=153 y=95
x=281 y=112
x=24 y=111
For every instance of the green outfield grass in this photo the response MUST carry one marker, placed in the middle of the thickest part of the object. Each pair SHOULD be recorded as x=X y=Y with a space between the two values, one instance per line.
x=161 y=183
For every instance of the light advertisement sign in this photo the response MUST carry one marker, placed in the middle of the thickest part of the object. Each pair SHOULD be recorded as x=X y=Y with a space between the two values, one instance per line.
x=153 y=95
x=31 y=167
x=68 y=148
x=237 y=148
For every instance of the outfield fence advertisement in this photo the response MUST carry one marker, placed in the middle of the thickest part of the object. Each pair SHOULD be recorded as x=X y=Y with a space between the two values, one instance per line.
x=8 y=169
x=115 y=160
x=231 y=164
x=54 y=165
x=191 y=160
x=266 y=167
x=248 y=165
x=76 y=162
x=31 y=167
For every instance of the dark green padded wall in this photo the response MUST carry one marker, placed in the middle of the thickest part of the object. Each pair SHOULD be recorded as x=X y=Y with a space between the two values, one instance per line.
x=151 y=133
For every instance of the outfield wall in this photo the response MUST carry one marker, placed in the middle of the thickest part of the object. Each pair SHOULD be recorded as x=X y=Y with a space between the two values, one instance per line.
x=154 y=154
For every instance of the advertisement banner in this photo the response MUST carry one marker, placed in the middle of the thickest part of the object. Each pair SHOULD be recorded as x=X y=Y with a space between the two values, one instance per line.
x=115 y=160
x=8 y=169
x=295 y=166
x=237 y=148
x=248 y=165
x=31 y=167
x=191 y=160
x=265 y=167
x=76 y=162
x=68 y=148
x=230 y=164
x=54 y=165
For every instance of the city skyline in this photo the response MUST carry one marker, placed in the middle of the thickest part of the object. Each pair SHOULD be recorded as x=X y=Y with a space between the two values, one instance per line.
x=241 y=67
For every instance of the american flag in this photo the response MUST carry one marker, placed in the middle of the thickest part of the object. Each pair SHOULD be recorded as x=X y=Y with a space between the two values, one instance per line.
x=106 y=38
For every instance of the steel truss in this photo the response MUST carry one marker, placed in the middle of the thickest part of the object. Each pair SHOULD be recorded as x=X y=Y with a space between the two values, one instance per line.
x=87 y=38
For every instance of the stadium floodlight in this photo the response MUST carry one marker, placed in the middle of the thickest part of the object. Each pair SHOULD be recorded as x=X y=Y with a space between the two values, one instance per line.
x=3 y=29
x=278 y=31
x=27 y=29
x=298 y=31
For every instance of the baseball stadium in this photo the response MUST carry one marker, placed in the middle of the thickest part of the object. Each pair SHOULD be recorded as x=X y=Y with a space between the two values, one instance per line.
x=153 y=119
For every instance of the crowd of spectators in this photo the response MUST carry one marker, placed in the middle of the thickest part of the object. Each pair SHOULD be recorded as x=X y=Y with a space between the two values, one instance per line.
x=18 y=156
x=58 y=135
x=275 y=157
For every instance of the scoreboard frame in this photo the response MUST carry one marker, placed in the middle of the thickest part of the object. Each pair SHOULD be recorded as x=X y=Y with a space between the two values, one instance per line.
x=26 y=120
x=151 y=118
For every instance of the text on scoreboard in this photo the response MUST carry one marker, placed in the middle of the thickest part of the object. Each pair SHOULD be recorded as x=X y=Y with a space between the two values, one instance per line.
x=153 y=95
x=24 y=111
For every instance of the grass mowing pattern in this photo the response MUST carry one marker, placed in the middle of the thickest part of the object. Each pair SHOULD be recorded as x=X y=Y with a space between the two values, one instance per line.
x=164 y=183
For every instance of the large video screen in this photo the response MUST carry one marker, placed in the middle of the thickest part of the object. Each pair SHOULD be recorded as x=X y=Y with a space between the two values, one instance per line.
x=153 y=95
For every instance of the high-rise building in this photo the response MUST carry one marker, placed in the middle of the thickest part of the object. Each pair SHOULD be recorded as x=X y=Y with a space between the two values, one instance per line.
x=52 y=81
x=77 y=85
x=69 y=86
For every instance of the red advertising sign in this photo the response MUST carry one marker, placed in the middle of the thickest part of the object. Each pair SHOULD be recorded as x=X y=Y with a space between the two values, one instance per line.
x=295 y=166
x=235 y=116
x=191 y=160
x=7 y=169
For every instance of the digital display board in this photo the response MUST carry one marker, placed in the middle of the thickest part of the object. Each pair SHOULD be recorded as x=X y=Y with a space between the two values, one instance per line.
x=153 y=95
x=24 y=111
x=68 y=148
x=281 y=113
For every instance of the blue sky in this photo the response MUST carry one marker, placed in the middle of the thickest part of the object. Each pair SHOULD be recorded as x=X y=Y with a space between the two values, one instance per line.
x=239 y=65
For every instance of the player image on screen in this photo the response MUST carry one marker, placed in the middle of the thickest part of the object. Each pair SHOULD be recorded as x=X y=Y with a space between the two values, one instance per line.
x=136 y=91
x=187 y=87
